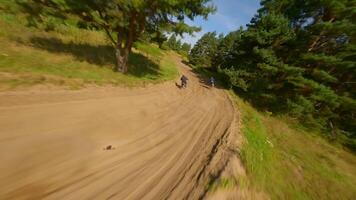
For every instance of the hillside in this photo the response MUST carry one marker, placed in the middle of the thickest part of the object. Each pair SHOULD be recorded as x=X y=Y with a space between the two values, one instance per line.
x=278 y=158
x=286 y=162
x=71 y=57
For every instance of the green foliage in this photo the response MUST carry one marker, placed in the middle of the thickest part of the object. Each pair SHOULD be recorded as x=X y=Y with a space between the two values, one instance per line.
x=184 y=50
x=123 y=21
x=185 y=47
x=176 y=45
x=204 y=50
x=159 y=38
x=224 y=47
x=297 y=57
x=173 y=43
x=72 y=57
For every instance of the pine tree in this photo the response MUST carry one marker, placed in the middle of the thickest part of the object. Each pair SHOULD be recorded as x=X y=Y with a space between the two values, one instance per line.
x=159 y=38
x=185 y=47
x=298 y=57
x=224 y=48
x=173 y=43
x=204 y=50
x=124 y=21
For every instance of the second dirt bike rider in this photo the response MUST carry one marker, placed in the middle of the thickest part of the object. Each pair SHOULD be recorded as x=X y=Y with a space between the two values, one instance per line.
x=212 y=81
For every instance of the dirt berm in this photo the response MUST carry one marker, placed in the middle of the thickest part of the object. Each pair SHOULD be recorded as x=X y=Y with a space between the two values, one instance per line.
x=167 y=143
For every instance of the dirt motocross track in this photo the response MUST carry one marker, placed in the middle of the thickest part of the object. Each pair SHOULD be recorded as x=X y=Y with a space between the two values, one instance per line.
x=168 y=143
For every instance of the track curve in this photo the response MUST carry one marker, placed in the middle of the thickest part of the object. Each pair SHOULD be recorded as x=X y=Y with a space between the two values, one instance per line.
x=168 y=142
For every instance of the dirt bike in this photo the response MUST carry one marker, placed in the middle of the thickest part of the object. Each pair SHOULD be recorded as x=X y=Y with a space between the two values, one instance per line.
x=211 y=83
x=184 y=84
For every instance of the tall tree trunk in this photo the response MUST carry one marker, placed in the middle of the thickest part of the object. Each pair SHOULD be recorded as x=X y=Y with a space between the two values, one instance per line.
x=123 y=50
x=125 y=40
x=122 y=57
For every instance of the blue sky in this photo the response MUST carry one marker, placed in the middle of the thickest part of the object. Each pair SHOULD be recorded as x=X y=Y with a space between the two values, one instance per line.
x=231 y=14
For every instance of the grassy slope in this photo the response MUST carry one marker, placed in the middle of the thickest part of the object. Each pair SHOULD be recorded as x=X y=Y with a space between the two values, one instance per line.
x=288 y=163
x=70 y=56
x=283 y=161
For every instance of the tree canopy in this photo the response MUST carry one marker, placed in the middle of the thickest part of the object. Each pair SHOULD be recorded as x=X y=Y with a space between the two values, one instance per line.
x=185 y=47
x=295 y=57
x=124 y=21
x=174 y=43
x=204 y=50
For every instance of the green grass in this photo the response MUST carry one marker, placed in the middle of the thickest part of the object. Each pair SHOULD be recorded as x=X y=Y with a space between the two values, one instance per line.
x=72 y=57
x=288 y=163
x=149 y=50
x=283 y=160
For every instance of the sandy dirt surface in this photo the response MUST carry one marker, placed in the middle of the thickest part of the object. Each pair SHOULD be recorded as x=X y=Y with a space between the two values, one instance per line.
x=168 y=143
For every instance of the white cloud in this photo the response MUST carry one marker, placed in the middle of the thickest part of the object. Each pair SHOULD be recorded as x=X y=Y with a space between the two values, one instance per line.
x=192 y=39
x=234 y=13
x=229 y=23
x=248 y=8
